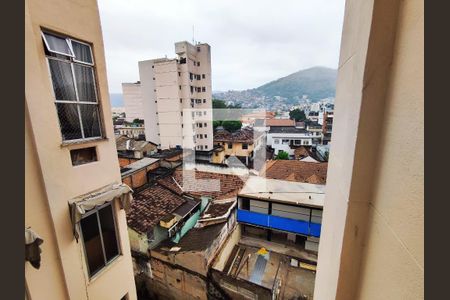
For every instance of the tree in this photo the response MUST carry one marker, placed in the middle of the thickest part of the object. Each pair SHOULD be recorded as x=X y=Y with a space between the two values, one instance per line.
x=216 y=124
x=216 y=103
x=231 y=126
x=138 y=121
x=282 y=155
x=297 y=115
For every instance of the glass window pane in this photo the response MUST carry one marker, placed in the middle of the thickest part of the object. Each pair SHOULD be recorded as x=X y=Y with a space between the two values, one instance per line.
x=69 y=121
x=84 y=78
x=90 y=119
x=108 y=232
x=62 y=80
x=92 y=243
x=57 y=44
x=82 y=52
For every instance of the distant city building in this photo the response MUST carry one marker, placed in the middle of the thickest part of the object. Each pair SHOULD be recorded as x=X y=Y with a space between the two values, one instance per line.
x=170 y=85
x=133 y=101
x=130 y=130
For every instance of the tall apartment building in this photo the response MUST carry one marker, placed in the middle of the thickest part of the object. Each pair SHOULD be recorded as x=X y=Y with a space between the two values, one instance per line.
x=132 y=101
x=171 y=87
x=73 y=191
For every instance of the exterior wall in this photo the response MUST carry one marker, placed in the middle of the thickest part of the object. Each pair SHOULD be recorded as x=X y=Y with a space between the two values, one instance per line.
x=218 y=157
x=126 y=161
x=305 y=140
x=372 y=236
x=227 y=248
x=132 y=100
x=129 y=131
x=37 y=215
x=237 y=149
x=173 y=283
x=393 y=261
x=146 y=74
x=60 y=181
x=138 y=241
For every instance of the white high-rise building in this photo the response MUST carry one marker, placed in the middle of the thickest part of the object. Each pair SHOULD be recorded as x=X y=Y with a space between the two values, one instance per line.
x=170 y=86
x=132 y=101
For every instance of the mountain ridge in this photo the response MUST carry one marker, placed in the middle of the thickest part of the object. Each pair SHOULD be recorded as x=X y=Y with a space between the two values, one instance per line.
x=313 y=83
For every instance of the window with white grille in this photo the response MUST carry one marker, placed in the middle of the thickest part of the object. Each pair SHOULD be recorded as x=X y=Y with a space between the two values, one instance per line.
x=71 y=67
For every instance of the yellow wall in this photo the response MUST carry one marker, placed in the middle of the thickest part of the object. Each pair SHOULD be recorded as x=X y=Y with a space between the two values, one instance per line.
x=60 y=181
x=218 y=157
x=237 y=149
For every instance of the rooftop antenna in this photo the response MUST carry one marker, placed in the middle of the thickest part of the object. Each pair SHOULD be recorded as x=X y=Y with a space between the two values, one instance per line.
x=193 y=40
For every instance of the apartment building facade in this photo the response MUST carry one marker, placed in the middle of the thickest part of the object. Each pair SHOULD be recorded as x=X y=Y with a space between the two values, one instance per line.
x=132 y=101
x=177 y=98
x=73 y=191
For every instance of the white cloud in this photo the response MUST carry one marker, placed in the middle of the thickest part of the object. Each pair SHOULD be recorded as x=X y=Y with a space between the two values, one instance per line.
x=252 y=41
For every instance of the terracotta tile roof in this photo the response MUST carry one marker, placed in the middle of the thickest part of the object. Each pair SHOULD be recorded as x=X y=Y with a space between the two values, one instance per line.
x=121 y=144
x=228 y=187
x=294 y=170
x=244 y=135
x=280 y=122
x=301 y=152
x=150 y=206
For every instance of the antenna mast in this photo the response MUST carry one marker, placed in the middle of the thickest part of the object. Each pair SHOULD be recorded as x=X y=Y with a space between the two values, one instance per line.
x=193 y=40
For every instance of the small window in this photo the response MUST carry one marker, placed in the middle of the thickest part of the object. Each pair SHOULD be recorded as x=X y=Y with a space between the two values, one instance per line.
x=198 y=64
x=180 y=87
x=203 y=76
x=204 y=113
x=230 y=145
x=203 y=89
x=244 y=146
x=204 y=124
x=245 y=204
x=83 y=156
x=204 y=100
x=153 y=66
x=285 y=142
x=83 y=52
x=99 y=237
x=181 y=113
x=179 y=74
x=198 y=49
x=57 y=45
x=206 y=146
x=200 y=125
x=181 y=100
x=206 y=136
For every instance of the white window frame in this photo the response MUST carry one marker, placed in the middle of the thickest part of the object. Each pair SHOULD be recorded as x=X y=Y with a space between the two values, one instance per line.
x=90 y=49
x=69 y=44
x=73 y=61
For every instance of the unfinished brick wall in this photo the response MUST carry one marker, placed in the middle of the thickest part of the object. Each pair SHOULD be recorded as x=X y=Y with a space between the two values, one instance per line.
x=174 y=283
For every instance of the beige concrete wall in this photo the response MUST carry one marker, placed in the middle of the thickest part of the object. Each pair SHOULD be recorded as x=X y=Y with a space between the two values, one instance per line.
x=372 y=235
x=132 y=100
x=393 y=261
x=37 y=216
x=60 y=180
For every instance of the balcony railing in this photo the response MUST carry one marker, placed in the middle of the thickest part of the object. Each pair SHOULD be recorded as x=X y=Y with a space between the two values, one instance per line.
x=280 y=223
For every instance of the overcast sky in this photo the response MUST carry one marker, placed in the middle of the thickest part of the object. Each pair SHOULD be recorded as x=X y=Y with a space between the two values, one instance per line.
x=252 y=41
